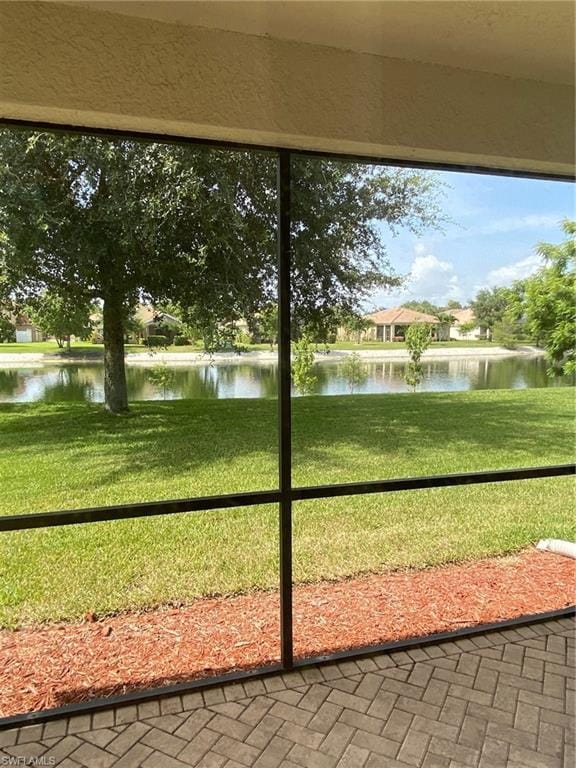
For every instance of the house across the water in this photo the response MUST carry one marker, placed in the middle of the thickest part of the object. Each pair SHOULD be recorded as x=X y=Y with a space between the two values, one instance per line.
x=392 y=324
x=465 y=326
x=157 y=323
x=26 y=331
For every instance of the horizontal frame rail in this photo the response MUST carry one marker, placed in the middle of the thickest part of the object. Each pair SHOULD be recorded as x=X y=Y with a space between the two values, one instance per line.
x=144 y=509
x=431 y=481
x=257 y=498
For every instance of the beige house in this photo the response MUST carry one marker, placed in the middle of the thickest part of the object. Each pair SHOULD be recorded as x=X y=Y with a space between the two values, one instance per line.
x=155 y=322
x=392 y=324
x=465 y=326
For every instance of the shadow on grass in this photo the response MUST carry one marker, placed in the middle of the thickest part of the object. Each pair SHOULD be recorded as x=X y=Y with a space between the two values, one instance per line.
x=433 y=432
x=335 y=438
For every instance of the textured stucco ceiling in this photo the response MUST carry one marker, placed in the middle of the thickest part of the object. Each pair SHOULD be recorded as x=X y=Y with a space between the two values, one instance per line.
x=521 y=38
x=75 y=63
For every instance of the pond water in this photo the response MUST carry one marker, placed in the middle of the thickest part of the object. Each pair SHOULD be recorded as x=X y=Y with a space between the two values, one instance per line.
x=84 y=382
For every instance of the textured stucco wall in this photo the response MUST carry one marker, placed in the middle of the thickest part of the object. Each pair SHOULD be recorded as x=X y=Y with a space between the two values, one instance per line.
x=69 y=64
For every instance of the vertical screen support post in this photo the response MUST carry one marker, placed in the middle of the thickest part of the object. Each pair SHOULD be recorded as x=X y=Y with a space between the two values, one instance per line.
x=285 y=407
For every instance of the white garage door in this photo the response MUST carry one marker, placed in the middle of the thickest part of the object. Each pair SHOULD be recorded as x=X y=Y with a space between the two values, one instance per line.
x=24 y=336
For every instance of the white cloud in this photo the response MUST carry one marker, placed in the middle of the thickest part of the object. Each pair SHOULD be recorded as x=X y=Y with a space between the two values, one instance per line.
x=516 y=223
x=537 y=223
x=430 y=279
x=518 y=270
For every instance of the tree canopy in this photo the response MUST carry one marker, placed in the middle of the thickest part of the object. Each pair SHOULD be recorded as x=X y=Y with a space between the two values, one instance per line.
x=490 y=305
x=60 y=316
x=550 y=302
x=123 y=221
x=424 y=306
x=541 y=308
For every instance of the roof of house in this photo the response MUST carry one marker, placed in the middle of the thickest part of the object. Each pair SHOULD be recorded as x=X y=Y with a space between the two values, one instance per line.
x=147 y=314
x=401 y=316
x=22 y=320
x=461 y=316
x=19 y=319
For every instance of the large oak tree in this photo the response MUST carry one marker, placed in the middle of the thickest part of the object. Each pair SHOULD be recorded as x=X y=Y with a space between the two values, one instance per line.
x=120 y=221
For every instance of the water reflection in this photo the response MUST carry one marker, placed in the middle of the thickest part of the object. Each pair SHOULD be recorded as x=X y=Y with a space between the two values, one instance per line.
x=458 y=374
x=85 y=382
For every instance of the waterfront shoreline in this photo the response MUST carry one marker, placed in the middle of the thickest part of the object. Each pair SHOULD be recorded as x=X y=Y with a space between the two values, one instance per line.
x=24 y=359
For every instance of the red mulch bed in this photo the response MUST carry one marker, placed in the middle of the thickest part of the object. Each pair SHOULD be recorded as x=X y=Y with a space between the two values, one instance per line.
x=51 y=665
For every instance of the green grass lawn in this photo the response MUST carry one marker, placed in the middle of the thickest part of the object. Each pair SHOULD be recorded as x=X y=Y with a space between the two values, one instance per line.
x=73 y=455
x=51 y=349
x=80 y=349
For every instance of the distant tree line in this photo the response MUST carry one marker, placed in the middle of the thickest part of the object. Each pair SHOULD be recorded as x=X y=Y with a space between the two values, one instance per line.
x=540 y=309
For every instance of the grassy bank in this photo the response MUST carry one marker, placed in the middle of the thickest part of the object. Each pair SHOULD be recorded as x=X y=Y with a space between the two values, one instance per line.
x=73 y=455
x=80 y=349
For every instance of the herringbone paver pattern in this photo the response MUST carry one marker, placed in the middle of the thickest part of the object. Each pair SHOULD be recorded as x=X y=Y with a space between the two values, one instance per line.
x=504 y=699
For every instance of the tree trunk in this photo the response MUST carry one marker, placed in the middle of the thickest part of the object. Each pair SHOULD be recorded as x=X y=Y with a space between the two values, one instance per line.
x=115 y=390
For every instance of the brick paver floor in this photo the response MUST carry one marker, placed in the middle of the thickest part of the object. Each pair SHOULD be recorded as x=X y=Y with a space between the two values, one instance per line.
x=498 y=699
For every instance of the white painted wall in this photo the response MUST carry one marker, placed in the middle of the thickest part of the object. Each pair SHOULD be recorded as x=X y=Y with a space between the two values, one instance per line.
x=24 y=336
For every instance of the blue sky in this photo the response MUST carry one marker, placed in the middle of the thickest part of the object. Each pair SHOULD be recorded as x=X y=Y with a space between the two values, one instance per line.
x=497 y=222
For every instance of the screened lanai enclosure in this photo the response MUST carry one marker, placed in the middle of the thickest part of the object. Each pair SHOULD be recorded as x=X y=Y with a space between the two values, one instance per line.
x=182 y=527
x=274 y=482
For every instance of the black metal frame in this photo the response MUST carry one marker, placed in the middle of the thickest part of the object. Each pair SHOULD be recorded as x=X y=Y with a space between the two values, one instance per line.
x=285 y=494
x=170 y=138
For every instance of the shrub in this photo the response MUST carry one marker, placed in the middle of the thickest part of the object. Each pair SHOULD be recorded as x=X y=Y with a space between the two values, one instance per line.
x=303 y=366
x=242 y=339
x=418 y=339
x=156 y=341
x=181 y=341
x=354 y=371
x=7 y=331
x=505 y=333
x=162 y=378
x=163 y=329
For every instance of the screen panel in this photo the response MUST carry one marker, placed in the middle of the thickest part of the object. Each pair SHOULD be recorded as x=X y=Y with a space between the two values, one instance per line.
x=426 y=329
x=131 y=272
x=107 y=608
x=381 y=568
x=202 y=416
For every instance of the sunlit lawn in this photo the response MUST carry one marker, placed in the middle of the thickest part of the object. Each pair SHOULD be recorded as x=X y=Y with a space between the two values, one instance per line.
x=75 y=455
x=51 y=348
